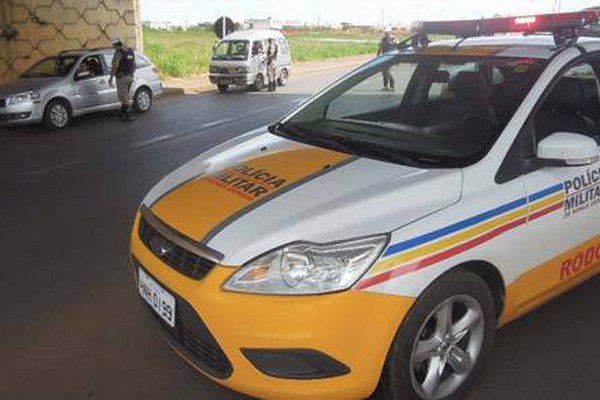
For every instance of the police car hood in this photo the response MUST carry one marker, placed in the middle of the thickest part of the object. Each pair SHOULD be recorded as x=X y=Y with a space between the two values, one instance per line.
x=261 y=191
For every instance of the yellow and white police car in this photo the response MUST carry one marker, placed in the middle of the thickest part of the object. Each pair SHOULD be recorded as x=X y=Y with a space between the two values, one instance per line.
x=371 y=242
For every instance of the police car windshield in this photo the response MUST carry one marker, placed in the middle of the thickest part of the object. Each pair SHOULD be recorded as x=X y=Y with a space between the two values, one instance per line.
x=51 y=67
x=231 y=50
x=417 y=109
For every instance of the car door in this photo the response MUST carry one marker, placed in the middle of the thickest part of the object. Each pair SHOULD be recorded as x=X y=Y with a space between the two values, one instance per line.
x=111 y=96
x=563 y=201
x=91 y=84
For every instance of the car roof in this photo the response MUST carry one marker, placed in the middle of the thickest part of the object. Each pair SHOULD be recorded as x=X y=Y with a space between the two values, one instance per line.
x=254 y=34
x=532 y=46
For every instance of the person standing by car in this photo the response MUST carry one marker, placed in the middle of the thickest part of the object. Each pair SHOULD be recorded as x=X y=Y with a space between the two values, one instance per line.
x=387 y=44
x=123 y=68
x=272 y=53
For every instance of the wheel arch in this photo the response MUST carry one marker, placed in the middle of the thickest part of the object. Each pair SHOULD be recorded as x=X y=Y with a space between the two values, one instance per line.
x=60 y=98
x=144 y=86
x=492 y=277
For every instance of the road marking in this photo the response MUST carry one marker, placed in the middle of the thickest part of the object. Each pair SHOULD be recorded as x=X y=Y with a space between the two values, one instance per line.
x=53 y=168
x=216 y=123
x=152 y=141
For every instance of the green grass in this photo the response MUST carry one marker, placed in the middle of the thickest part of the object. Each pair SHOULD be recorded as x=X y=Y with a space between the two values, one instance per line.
x=187 y=53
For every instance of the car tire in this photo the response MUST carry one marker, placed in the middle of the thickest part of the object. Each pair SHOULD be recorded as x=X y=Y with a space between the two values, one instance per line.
x=425 y=344
x=57 y=114
x=222 y=88
x=142 y=100
x=259 y=83
x=283 y=77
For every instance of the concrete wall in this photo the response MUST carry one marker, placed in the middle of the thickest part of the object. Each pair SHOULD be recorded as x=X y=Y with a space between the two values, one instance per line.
x=32 y=29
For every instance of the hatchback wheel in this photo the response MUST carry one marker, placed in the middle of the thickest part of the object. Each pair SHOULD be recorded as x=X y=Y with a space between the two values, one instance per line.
x=442 y=343
x=222 y=88
x=57 y=114
x=142 y=100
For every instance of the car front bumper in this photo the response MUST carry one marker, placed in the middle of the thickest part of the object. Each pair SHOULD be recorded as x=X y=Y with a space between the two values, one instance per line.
x=351 y=329
x=21 y=114
x=231 y=79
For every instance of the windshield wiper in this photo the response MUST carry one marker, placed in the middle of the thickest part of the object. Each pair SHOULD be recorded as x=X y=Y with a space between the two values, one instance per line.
x=293 y=132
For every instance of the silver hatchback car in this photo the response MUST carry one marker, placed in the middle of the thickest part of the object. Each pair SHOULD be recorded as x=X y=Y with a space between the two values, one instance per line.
x=73 y=83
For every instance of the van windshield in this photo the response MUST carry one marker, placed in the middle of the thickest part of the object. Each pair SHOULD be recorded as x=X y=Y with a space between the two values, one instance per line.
x=231 y=50
x=418 y=110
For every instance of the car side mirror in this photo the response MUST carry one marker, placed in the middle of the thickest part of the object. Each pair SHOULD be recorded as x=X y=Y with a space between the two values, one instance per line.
x=567 y=149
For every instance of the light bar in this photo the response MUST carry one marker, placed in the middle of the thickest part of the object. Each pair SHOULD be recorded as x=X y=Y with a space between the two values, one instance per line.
x=524 y=24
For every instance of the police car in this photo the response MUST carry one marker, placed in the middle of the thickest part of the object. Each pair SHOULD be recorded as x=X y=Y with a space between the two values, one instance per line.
x=371 y=242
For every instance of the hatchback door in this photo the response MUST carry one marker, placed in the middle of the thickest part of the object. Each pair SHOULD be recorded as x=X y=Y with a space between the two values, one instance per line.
x=91 y=84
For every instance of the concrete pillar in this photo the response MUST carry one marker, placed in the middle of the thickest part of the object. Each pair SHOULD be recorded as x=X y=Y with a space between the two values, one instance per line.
x=33 y=29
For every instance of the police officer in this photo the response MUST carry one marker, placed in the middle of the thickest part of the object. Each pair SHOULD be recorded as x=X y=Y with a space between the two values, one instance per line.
x=387 y=44
x=272 y=53
x=123 y=68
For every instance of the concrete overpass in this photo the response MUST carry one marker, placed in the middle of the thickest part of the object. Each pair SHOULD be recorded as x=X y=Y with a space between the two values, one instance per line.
x=32 y=29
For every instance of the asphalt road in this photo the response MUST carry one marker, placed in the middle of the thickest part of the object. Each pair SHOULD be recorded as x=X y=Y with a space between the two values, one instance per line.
x=72 y=327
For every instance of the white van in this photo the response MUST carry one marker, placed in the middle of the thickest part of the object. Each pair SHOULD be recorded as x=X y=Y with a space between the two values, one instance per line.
x=239 y=59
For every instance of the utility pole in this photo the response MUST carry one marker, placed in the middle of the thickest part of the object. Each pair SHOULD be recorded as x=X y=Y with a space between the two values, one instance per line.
x=557 y=6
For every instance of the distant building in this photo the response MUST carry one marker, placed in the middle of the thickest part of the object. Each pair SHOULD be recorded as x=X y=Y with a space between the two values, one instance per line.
x=163 y=25
x=268 y=23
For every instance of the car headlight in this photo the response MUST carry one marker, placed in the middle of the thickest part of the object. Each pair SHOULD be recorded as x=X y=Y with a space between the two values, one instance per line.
x=242 y=70
x=308 y=268
x=23 y=97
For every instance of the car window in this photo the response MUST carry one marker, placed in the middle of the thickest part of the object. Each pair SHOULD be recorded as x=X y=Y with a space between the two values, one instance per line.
x=418 y=110
x=369 y=95
x=141 y=61
x=90 y=67
x=573 y=105
x=445 y=74
x=51 y=67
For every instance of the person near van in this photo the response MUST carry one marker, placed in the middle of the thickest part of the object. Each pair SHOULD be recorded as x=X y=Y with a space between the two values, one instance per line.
x=272 y=53
x=387 y=44
x=123 y=68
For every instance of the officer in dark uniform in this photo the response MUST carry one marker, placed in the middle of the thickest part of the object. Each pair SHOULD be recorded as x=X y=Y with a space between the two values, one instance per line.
x=123 y=68
x=387 y=44
x=272 y=54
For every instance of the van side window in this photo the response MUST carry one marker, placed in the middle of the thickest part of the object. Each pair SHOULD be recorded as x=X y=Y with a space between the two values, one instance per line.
x=283 y=46
x=257 y=47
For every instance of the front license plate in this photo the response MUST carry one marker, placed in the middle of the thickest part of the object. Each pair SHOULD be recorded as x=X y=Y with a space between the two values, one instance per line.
x=161 y=301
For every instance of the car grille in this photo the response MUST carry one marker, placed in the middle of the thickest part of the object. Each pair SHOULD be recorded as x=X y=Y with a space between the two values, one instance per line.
x=190 y=264
x=2 y=103
x=192 y=337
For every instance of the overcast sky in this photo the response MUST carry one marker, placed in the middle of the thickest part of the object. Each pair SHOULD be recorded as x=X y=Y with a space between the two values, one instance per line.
x=370 y=12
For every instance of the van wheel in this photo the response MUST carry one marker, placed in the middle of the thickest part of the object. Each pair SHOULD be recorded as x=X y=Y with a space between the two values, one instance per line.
x=283 y=77
x=441 y=346
x=142 y=100
x=259 y=83
x=222 y=88
x=57 y=114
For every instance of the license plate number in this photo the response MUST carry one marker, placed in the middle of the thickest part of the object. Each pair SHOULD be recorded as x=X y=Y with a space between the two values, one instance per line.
x=161 y=301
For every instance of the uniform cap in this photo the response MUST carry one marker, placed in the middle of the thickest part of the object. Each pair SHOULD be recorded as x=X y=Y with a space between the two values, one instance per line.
x=116 y=40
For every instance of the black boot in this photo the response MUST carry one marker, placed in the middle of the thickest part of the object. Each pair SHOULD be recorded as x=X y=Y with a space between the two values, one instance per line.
x=129 y=114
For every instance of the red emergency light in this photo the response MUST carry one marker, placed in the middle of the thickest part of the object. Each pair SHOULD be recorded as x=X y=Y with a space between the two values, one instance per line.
x=553 y=23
